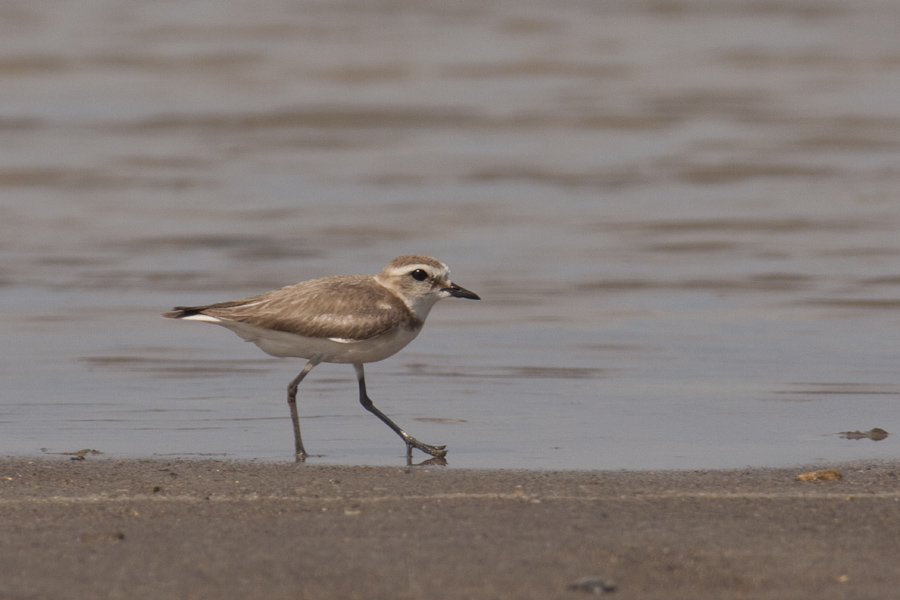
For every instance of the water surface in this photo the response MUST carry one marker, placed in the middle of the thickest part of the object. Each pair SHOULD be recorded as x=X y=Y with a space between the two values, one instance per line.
x=682 y=218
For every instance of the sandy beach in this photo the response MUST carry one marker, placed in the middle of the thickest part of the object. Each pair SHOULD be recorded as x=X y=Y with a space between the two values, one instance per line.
x=104 y=528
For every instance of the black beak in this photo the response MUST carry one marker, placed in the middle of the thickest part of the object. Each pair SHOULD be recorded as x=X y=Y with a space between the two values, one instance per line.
x=458 y=292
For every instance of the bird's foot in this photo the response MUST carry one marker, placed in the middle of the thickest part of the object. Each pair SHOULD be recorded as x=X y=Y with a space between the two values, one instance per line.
x=435 y=451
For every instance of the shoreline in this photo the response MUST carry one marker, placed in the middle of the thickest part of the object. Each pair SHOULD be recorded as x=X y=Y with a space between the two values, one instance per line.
x=213 y=528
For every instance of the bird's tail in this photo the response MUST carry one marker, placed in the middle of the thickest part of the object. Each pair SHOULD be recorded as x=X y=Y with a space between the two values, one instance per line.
x=179 y=312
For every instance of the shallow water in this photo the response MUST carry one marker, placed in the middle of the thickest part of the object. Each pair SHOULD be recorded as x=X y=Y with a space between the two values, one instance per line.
x=682 y=217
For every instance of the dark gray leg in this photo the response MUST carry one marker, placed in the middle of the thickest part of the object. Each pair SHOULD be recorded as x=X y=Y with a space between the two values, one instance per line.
x=299 y=453
x=411 y=442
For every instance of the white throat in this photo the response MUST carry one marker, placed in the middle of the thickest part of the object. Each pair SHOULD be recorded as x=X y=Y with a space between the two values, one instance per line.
x=421 y=305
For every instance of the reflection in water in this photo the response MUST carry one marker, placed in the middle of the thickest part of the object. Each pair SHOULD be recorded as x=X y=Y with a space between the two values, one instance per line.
x=683 y=217
x=434 y=461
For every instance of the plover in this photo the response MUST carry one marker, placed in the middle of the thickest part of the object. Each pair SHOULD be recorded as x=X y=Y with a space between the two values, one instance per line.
x=353 y=319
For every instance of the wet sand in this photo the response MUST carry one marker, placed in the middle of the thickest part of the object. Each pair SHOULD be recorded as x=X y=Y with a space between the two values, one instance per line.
x=217 y=529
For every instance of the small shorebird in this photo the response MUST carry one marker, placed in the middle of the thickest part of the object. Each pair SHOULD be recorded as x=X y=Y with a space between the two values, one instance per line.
x=352 y=319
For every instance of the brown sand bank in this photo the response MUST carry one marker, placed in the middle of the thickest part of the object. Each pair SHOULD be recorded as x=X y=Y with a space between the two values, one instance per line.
x=102 y=528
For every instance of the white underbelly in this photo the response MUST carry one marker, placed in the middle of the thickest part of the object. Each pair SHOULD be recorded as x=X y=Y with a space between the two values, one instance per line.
x=284 y=344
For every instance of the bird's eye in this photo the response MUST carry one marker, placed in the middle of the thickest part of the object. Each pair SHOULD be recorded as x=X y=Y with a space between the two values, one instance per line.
x=419 y=275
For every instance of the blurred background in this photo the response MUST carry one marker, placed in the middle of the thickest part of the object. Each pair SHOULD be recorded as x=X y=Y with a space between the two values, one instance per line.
x=682 y=216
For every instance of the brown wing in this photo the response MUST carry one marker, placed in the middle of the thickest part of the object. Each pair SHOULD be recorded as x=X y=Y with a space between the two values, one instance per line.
x=346 y=307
